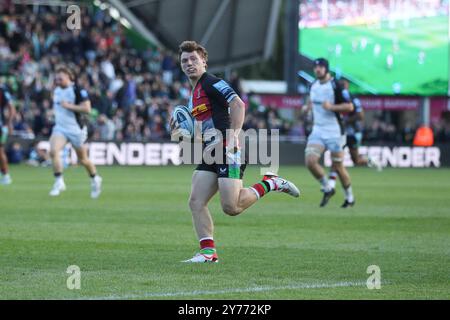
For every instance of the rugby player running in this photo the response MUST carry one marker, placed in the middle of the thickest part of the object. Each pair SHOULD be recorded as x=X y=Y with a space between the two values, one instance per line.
x=328 y=100
x=354 y=132
x=217 y=106
x=71 y=105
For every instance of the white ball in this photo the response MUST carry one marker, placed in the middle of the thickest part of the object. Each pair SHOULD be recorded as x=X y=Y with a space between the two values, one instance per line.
x=183 y=117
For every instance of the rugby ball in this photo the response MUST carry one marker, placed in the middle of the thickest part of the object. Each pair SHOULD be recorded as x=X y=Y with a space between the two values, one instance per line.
x=182 y=116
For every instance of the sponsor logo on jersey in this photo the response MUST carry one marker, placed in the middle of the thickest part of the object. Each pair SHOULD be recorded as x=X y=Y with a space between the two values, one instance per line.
x=202 y=108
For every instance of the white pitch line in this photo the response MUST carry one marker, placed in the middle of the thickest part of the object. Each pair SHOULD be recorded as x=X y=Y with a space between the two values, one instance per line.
x=228 y=291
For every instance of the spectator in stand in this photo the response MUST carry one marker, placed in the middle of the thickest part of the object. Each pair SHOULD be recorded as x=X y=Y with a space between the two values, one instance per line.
x=105 y=128
x=132 y=91
x=15 y=153
x=32 y=42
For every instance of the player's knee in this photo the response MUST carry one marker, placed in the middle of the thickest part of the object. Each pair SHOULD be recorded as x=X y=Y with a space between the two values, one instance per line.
x=196 y=204
x=311 y=161
x=337 y=160
x=53 y=153
x=231 y=210
x=84 y=161
x=335 y=166
x=312 y=156
x=192 y=204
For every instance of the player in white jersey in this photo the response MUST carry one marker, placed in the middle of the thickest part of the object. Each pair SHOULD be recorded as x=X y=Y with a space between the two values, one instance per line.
x=328 y=100
x=71 y=105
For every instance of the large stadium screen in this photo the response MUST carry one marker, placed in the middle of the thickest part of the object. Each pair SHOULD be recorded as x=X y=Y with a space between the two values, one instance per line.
x=382 y=46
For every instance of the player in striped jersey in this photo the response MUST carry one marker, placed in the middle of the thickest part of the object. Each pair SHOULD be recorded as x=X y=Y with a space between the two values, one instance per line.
x=217 y=106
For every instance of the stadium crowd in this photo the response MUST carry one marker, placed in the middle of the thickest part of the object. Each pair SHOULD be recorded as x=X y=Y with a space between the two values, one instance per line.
x=132 y=91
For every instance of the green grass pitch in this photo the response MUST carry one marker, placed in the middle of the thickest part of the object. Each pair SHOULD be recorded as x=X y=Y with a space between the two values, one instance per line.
x=369 y=73
x=129 y=243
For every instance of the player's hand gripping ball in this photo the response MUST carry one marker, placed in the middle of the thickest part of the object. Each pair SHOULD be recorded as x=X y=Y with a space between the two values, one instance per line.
x=182 y=122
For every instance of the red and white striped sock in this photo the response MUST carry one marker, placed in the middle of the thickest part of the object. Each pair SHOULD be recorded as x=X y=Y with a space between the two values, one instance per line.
x=207 y=243
x=263 y=187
